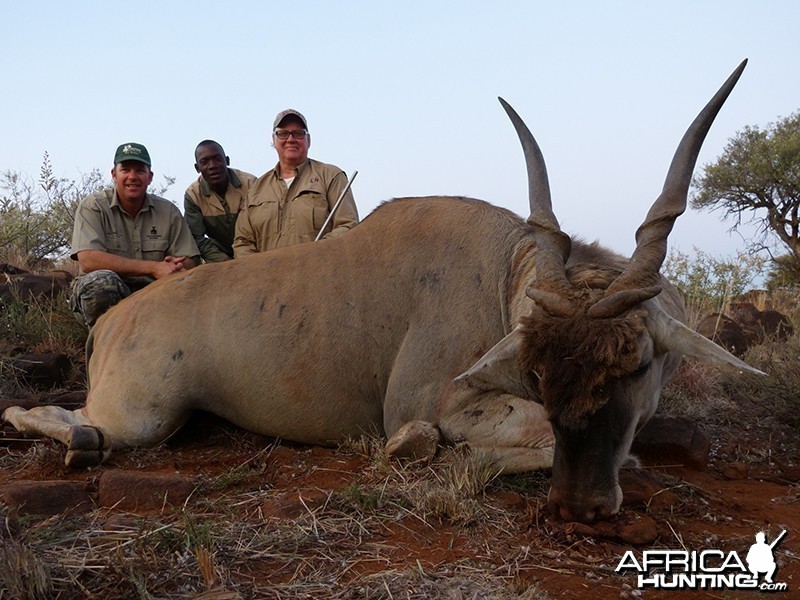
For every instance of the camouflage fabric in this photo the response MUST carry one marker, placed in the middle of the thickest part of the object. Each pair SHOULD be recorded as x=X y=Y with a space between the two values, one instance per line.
x=94 y=293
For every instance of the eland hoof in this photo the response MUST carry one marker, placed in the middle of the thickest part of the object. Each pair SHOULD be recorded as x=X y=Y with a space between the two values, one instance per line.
x=77 y=459
x=87 y=438
x=416 y=440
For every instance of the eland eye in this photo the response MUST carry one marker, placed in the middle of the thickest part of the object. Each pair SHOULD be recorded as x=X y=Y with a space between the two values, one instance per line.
x=602 y=390
x=641 y=370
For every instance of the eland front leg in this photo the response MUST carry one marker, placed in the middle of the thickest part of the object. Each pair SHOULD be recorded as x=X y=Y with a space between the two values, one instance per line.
x=86 y=445
x=511 y=432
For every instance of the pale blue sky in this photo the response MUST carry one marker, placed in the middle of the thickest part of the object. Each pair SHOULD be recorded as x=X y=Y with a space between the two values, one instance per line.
x=404 y=92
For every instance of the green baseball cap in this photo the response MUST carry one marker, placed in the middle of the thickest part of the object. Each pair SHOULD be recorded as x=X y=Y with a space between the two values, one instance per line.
x=132 y=151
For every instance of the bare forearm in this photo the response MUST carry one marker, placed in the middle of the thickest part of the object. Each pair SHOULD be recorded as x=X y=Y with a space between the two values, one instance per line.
x=94 y=260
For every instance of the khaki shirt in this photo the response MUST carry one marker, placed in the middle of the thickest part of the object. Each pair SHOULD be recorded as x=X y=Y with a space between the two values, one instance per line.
x=211 y=218
x=276 y=216
x=157 y=231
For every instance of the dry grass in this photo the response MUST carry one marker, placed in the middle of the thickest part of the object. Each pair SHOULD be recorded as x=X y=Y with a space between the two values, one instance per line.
x=736 y=408
x=696 y=391
x=43 y=325
x=777 y=394
x=220 y=545
x=725 y=396
x=11 y=256
x=784 y=300
x=22 y=573
x=397 y=543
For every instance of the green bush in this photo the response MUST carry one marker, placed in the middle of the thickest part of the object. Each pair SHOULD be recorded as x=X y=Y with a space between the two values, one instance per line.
x=37 y=217
x=708 y=283
x=784 y=273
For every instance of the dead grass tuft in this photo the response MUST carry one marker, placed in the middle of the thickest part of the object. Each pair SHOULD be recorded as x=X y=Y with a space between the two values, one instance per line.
x=778 y=394
x=422 y=584
x=784 y=300
x=39 y=455
x=697 y=391
x=12 y=256
x=454 y=487
x=725 y=396
x=22 y=574
x=43 y=325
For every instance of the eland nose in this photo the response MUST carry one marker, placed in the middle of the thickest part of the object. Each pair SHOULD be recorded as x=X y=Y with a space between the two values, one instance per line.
x=569 y=513
x=584 y=510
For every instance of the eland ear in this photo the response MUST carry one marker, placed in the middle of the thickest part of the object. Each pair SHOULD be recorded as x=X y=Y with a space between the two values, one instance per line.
x=506 y=348
x=492 y=369
x=674 y=335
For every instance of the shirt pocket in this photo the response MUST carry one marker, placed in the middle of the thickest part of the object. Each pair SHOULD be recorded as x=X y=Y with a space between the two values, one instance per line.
x=154 y=249
x=312 y=210
x=264 y=216
x=117 y=245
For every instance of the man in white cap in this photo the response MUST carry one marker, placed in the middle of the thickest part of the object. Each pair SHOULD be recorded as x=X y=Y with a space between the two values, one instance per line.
x=289 y=204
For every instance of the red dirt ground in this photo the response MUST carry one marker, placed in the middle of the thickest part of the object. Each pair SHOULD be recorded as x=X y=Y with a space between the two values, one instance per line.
x=751 y=485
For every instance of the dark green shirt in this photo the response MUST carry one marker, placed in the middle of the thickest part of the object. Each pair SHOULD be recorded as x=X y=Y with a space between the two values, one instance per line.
x=212 y=218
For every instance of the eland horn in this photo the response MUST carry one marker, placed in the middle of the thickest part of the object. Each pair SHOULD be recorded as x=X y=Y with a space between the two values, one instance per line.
x=553 y=246
x=640 y=278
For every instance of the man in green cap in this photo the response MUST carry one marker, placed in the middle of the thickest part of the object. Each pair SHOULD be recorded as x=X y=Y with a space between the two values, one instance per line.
x=212 y=203
x=125 y=238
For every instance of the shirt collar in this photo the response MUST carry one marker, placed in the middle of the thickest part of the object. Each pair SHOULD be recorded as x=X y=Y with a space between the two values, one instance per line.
x=147 y=205
x=303 y=166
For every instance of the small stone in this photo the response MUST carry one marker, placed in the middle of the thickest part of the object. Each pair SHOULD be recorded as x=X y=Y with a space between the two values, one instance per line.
x=734 y=470
x=673 y=440
x=509 y=500
x=415 y=440
x=134 y=492
x=639 y=532
x=643 y=488
x=46 y=497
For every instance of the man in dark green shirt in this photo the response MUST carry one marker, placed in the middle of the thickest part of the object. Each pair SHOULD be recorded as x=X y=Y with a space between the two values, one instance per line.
x=212 y=203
